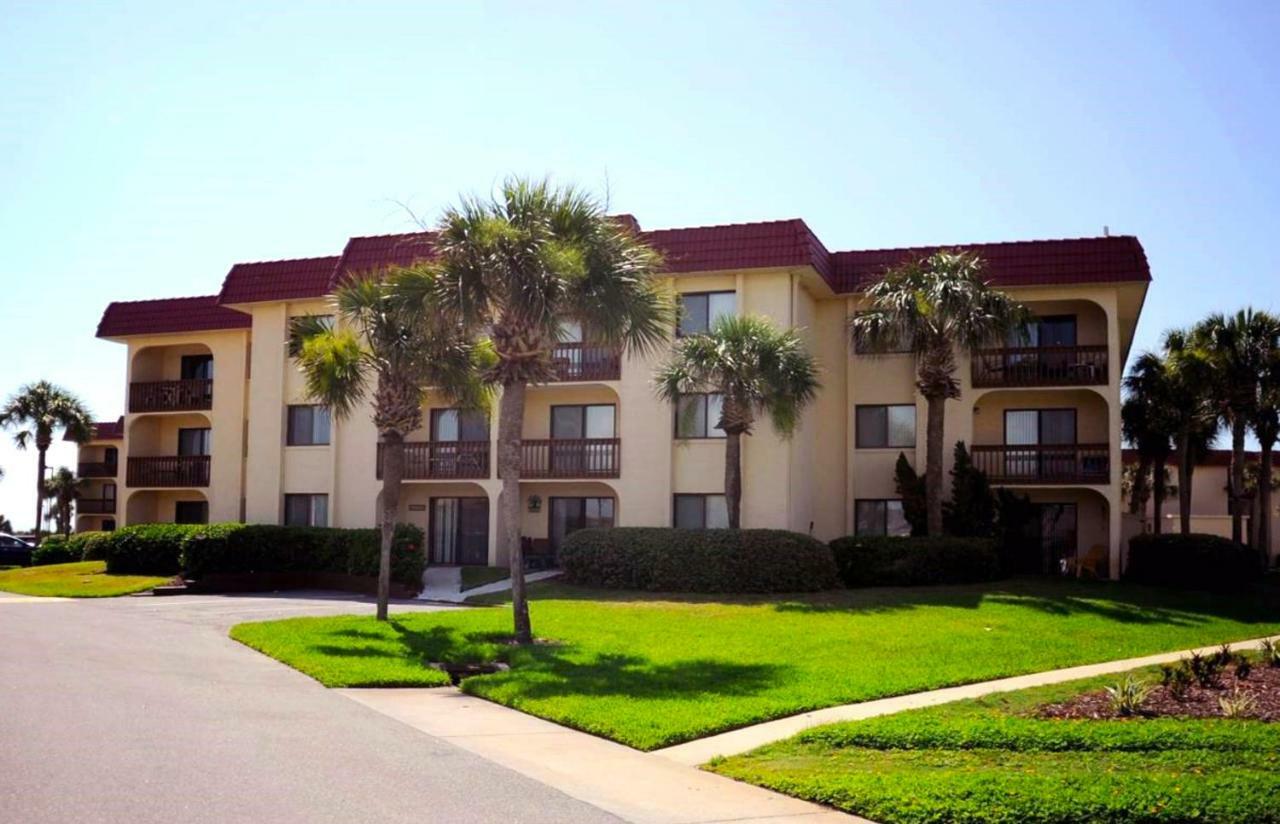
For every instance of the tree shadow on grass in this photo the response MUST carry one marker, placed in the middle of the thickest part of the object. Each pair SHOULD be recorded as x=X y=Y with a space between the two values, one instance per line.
x=427 y=645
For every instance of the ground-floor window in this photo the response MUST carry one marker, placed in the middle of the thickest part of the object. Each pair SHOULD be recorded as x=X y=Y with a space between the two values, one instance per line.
x=568 y=515
x=306 y=510
x=108 y=524
x=459 y=531
x=700 y=512
x=880 y=517
x=191 y=512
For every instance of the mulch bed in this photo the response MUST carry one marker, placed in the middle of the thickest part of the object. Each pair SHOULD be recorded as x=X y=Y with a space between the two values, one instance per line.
x=1263 y=684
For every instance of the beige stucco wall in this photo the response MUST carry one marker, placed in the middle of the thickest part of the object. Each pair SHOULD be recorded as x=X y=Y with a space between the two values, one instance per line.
x=1209 y=508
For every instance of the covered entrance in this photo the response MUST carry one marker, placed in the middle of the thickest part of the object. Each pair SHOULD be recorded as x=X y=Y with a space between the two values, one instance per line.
x=459 y=531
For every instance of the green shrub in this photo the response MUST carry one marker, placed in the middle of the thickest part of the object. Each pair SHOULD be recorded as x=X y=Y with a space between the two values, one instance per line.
x=54 y=549
x=147 y=549
x=1193 y=561
x=907 y=561
x=660 y=559
x=91 y=545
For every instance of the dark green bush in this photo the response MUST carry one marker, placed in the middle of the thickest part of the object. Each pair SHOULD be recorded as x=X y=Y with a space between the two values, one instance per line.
x=659 y=559
x=91 y=545
x=147 y=549
x=1193 y=561
x=892 y=561
x=55 y=549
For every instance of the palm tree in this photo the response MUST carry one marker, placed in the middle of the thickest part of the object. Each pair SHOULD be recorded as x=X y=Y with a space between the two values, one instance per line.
x=1146 y=423
x=61 y=488
x=516 y=268
x=934 y=307
x=756 y=369
x=1192 y=412
x=37 y=410
x=380 y=339
x=1236 y=348
x=1266 y=426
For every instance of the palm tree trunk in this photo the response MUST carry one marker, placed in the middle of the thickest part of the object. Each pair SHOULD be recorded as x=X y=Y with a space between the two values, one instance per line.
x=1186 y=466
x=40 y=466
x=1237 y=479
x=510 y=424
x=1157 y=496
x=733 y=478
x=392 y=477
x=1138 y=494
x=934 y=434
x=1264 y=502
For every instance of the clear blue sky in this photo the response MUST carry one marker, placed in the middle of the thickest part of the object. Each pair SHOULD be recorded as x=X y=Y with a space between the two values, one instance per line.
x=144 y=148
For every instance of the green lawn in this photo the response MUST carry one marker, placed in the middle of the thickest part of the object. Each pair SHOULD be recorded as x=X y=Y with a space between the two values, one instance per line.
x=85 y=579
x=990 y=761
x=651 y=671
x=478 y=576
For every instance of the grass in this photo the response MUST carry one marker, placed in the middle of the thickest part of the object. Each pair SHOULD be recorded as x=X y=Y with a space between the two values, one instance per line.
x=651 y=670
x=991 y=761
x=478 y=576
x=84 y=579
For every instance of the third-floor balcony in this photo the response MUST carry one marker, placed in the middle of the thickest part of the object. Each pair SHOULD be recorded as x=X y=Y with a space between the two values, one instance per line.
x=443 y=460
x=171 y=396
x=571 y=458
x=1044 y=463
x=1040 y=366
x=586 y=362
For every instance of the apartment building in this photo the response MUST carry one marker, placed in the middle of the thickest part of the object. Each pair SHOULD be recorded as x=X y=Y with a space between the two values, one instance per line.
x=219 y=427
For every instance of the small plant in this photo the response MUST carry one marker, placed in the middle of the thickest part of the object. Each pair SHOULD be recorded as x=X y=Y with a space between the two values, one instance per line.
x=1243 y=667
x=1224 y=656
x=1204 y=668
x=1127 y=696
x=1177 y=680
x=1270 y=652
x=1237 y=705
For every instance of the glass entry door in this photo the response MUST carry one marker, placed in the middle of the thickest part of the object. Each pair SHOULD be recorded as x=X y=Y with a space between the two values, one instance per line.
x=459 y=531
x=568 y=515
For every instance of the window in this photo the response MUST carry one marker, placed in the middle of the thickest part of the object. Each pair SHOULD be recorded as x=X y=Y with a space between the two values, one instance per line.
x=701 y=512
x=886 y=426
x=884 y=517
x=582 y=421
x=191 y=512
x=1033 y=427
x=193 y=442
x=568 y=515
x=700 y=310
x=308 y=425
x=1048 y=330
x=306 y=510
x=197 y=367
x=459 y=425
x=697 y=416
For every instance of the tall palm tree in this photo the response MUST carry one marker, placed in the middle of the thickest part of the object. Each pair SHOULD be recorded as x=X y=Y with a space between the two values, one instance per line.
x=756 y=369
x=1235 y=348
x=1193 y=414
x=61 y=488
x=934 y=307
x=1146 y=423
x=403 y=351
x=517 y=267
x=37 y=410
x=1266 y=426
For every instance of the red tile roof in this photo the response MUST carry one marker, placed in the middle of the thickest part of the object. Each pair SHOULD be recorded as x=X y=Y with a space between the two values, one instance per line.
x=167 y=315
x=741 y=246
x=1018 y=263
x=103 y=431
x=277 y=280
x=367 y=254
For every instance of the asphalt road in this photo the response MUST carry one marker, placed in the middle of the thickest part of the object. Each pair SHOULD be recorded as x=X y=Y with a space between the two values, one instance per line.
x=142 y=710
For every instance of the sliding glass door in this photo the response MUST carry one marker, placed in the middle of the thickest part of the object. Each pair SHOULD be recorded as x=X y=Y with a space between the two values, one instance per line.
x=460 y=531
x=568 y=515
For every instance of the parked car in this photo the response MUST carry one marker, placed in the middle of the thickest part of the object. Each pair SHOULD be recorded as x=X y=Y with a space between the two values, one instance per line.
x=14 y=551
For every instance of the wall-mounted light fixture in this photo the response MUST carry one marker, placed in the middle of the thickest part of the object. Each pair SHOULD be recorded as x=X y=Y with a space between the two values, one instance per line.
x=535 y=503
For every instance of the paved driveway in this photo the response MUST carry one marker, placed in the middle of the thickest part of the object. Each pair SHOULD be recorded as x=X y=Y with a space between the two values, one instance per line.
x=142 y=710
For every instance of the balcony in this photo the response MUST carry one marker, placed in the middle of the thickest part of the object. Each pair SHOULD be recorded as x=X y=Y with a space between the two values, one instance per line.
x=443 y=460
x=1045 y=464
x=97 y=469
x=169 y=471
x=171 y=396
x=586 y=362
x=1040 y=366
x=95 y=506
x=571 y=458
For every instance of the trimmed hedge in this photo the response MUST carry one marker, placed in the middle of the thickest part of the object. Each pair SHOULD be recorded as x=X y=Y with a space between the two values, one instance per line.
x=872 y=561
x=1193 y=561
x=55 y=549
x=199 y=550
x=660 y=559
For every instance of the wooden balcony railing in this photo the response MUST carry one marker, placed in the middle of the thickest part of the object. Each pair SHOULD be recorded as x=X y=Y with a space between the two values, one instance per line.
x=1041 y=366
x=91 y=469
x=576 y=458
x=443 y=460
x=168 y=471
x=1045 y=464
x=586 y=362
x=170 y=396
x=95 y=506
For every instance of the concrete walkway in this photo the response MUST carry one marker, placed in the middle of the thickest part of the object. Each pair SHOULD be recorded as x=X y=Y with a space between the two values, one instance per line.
x=633 y=785
x=746 y=739
x=444 y=584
